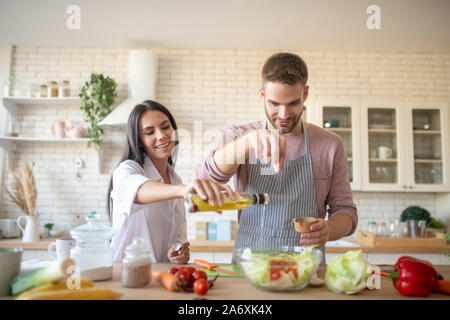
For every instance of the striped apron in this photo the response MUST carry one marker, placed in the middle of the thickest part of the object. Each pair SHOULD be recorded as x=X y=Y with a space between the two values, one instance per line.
x=291 y=195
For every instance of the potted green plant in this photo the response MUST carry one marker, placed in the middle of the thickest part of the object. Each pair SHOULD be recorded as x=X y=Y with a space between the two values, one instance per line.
x=97 y=96
x=416 y=218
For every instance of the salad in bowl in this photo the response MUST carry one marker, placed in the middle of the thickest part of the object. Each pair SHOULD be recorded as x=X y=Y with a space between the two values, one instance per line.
x=289 y=269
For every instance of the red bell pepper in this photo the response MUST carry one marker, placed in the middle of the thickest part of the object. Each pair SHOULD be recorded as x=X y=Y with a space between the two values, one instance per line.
x=414 y=277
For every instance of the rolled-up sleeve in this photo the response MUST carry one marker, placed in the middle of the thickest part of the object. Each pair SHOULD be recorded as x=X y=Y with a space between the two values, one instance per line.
x=340 y=197
x=207 y=168
x=127 y=179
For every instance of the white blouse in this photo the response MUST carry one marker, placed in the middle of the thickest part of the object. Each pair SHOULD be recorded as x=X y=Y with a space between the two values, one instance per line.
x=160 y=224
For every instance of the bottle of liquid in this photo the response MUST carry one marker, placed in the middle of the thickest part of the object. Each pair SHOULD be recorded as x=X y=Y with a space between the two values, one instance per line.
x=194 y=203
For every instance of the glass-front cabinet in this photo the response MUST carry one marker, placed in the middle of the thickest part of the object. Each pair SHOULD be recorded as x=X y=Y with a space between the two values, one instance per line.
x=428 y=165
x=403 y=147
x=343 y=119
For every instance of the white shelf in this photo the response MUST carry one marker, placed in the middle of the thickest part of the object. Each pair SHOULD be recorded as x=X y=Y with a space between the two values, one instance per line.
x=9 y=144
x=12 y=104
x=43 y=139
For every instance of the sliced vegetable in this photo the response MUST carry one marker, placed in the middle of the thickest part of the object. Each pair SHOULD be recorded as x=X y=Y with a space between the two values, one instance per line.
x=74 y=294
x=168 y=280
x=52 y=273
x=348 y=273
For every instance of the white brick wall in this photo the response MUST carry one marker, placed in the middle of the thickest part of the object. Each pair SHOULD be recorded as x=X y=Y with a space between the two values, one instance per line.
x=208 y=85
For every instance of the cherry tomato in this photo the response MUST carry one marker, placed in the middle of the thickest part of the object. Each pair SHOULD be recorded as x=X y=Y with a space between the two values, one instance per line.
x=201 y=286
x=199 y=274
x=294 y=270
x=190 y=269
x=184 y=276
x=173 y=270
x=274 y=274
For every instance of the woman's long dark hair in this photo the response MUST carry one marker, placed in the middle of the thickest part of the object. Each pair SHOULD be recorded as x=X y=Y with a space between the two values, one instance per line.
x=133 y=147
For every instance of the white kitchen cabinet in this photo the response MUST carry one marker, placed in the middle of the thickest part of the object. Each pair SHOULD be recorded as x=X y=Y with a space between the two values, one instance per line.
x=343 y=118
x=404 y=147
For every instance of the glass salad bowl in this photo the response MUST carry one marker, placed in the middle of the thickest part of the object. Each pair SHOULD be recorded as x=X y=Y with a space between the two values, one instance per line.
x=287 y=269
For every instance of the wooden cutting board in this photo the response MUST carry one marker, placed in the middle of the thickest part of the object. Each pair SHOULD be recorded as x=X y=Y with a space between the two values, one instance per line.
x=366 y=238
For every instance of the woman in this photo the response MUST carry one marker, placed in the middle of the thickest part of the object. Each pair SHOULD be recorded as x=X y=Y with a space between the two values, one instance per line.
x=145 y=194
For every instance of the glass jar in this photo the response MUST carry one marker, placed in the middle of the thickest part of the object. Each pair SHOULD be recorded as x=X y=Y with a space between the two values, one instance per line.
x=372 y=227
x=64 y=88
x=92 y=252
x=394 y=229
x=381 y=229
x=42 y=92
x=7 y=88
x=13 y=127
x=52 y=89
x=137 y=265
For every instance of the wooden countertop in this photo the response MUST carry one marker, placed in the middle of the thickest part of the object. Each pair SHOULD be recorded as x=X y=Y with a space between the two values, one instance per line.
x=226 y=288
x=227 y=246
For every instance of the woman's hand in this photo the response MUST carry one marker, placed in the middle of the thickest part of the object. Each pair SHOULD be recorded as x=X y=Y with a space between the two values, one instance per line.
x=208 y=190
x=181 y=256
x=319 y=234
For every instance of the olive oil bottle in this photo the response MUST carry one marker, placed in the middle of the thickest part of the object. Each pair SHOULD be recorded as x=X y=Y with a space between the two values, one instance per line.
x=193 y=203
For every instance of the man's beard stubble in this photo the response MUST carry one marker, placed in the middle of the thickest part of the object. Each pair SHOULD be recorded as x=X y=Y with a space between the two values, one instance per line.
x=284 y=130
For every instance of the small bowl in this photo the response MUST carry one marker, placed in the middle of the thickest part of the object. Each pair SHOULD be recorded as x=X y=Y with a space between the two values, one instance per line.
x=304 y=224
x=293 y=272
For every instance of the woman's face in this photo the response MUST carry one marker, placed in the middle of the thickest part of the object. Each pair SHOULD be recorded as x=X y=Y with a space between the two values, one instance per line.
x=155 y=132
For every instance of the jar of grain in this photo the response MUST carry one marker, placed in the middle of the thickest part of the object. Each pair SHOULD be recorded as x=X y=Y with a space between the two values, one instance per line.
x=137 y=265
x=64 y=88
x=42 y=92
x=52 y=89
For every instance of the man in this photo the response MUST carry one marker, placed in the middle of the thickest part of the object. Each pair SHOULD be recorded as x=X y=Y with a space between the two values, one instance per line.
x=304 y=167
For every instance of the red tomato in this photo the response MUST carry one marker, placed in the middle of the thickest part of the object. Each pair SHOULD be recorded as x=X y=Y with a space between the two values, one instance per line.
x=294 y=270
x=173 y=270
x=201 y=286
x=190 y=269
x=184 y=276
x=199 y=274
x=275 y=274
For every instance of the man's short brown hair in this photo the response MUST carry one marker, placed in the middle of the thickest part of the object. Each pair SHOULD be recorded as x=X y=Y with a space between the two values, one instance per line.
x=286 y=68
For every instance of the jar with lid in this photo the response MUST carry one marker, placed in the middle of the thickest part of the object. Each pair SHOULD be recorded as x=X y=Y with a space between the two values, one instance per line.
x=42 y=91
x=372 y=227
x=92 y=252
x=52 y=89
x=381 y=229
x=137 y=265
x=64 y=88
x=13 y=127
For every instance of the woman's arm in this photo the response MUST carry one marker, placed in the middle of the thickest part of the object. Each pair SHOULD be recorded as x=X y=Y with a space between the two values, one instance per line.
x=151 y=191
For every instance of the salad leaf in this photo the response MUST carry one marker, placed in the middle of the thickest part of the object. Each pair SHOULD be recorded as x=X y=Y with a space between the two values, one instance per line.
x=348 y=273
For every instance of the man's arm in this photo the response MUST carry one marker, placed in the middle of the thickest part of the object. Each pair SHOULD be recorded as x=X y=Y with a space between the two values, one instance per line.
x=339 y=226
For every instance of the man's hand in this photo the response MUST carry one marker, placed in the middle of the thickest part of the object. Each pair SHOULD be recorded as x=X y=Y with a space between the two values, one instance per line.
x=268 y=145
x=319 y=234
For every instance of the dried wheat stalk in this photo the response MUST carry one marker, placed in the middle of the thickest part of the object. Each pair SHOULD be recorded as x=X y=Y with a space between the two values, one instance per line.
x=23 y=192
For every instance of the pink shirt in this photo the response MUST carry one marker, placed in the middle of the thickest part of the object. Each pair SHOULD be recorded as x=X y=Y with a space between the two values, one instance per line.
x=329 y=161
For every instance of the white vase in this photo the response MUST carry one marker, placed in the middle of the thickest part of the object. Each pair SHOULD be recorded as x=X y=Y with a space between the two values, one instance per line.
x=31 y=231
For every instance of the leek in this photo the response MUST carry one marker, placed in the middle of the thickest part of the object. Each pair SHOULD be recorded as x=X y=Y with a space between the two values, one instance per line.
x=52 y=273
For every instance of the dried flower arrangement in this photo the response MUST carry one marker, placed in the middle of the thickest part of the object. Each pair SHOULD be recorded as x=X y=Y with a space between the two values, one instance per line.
x=23 y=190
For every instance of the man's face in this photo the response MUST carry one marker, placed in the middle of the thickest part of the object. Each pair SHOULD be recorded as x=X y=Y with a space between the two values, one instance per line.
x=283 y=105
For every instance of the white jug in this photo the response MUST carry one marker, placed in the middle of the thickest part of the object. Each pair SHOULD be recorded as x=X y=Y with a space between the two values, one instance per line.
x=31 y=231
x=384 y=152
